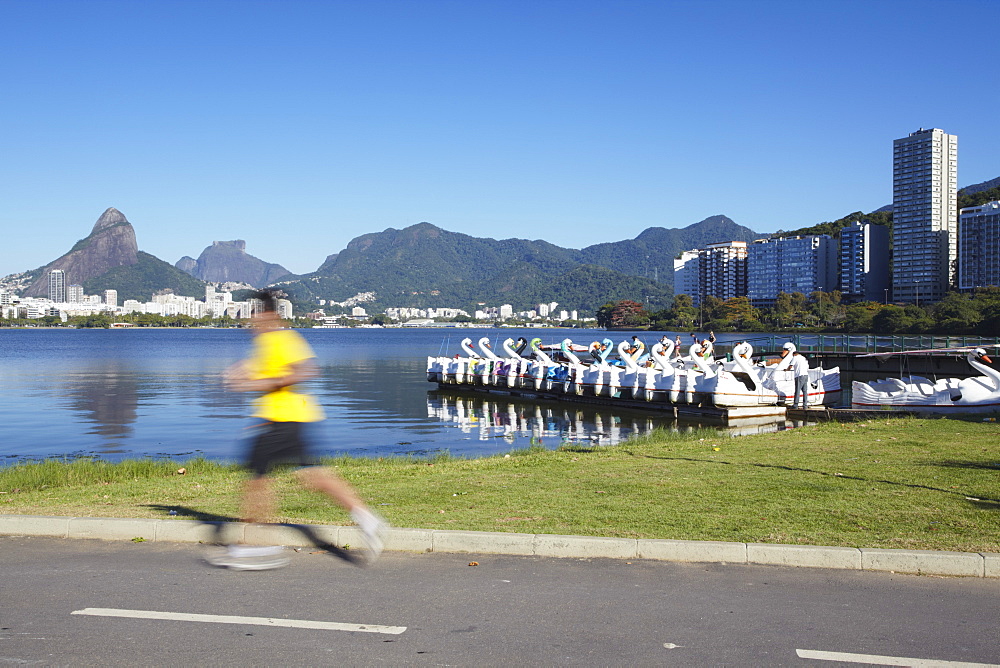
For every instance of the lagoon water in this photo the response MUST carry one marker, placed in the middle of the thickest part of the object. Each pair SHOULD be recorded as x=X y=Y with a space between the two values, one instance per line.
x=157 y=392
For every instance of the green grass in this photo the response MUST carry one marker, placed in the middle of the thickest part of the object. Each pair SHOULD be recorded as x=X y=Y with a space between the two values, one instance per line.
x=899 y=483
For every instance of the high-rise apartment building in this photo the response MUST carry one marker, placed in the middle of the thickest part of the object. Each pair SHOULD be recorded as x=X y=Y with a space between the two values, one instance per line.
x=74 y=294
x=722 y=270
x=791 y=264
x=111 y=297
x=57 y=285
x=979 y=246
x=864 y=263
x=924 y=215
x=686 y=275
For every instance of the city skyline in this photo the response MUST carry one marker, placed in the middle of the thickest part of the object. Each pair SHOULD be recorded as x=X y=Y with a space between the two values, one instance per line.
x=581 y=122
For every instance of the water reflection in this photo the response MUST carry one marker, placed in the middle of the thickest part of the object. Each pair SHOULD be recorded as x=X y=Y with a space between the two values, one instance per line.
x=545 y=424
x=551 y=424
x=106 y=396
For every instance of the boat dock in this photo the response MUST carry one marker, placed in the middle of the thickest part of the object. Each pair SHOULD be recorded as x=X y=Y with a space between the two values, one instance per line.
x=707 y=414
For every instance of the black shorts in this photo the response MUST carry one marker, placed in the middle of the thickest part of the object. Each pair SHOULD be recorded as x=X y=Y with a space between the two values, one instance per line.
x=278 y=443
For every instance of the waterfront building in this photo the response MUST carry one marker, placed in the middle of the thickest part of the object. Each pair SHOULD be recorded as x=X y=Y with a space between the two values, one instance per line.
x=924 y=215
x=285 y=309
x=864 y=263
x=543 y=310
x=506 y=311
x=979 y=246
x=74 y=294
x=722 y=270
x=111 y=297
x=686 y=275
x=790 y=264
x=57 y=285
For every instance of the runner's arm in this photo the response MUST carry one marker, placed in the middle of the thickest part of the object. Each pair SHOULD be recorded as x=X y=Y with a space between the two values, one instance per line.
x=237 y=377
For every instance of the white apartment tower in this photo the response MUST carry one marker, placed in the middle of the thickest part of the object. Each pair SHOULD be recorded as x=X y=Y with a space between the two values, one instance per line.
x=722 y=270
x=57 y=285
x=979 y=246
x=686 y=275
x=924 y=215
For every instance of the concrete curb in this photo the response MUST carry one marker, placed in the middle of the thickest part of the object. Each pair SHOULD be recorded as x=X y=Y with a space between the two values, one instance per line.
x=969 y=564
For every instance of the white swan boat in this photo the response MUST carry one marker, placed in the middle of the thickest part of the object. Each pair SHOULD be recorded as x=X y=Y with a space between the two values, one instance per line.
x=947 y=395
x=739 y=383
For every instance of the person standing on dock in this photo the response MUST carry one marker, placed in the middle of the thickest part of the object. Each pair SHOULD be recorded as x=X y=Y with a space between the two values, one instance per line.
x=279 y=361
x=800 y=372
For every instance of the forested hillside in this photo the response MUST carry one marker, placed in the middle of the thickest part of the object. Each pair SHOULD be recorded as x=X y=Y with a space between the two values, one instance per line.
x=141 y=280
x=423 y=265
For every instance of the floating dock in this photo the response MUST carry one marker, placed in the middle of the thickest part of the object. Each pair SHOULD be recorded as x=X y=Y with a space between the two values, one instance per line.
x=739 y=415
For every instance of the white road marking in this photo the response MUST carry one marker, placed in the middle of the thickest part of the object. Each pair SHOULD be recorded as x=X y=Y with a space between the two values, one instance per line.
x=233 y=619
x=877 y=660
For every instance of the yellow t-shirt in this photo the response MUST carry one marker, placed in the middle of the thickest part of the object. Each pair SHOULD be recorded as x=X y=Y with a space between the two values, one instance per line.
x=273 y=352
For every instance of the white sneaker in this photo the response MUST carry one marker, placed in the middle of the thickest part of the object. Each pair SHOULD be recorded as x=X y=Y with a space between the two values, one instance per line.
x=372 y=528
x=247 y=558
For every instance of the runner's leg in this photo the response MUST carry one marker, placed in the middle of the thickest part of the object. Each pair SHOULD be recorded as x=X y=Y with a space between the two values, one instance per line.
x=324 y=480
x=258 y=500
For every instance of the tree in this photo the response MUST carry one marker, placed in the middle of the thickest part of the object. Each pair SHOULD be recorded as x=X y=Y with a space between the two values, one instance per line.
x=920 y=320
x=682 y=301
x=891 y=319
x=825 y=305
x=603 y=315
x=711 y=309
x=783 y=310
x=739 y=312
x=957 y=314
x=858 y=317
x=628 y=313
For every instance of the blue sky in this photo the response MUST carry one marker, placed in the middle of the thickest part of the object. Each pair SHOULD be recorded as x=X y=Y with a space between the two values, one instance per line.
x=299 y=125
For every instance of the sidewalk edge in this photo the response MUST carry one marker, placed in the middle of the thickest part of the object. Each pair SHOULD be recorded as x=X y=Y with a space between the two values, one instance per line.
x=924 y=562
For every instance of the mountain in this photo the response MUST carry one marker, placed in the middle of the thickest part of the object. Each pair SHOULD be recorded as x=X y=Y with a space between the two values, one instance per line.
x=974 y=195
x=109 y=259
x=148 y=276
x=979 y=193
x=226 y=261
x=980 y=187
x=110 y=244
x=652 y=253
x=423 y=265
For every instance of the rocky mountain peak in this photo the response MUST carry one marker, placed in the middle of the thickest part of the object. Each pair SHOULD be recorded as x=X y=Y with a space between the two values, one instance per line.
x=110 y=244
x=109 y=218
x=228 y=261
x=238 y=244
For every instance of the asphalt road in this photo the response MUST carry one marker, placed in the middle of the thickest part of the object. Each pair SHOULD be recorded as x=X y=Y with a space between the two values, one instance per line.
x=506 y=610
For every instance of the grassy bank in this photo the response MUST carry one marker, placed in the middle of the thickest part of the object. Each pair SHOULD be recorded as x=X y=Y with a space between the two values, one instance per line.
x=900 y=483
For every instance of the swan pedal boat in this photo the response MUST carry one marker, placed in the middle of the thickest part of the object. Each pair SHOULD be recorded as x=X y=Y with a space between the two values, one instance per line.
x=977 y=394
